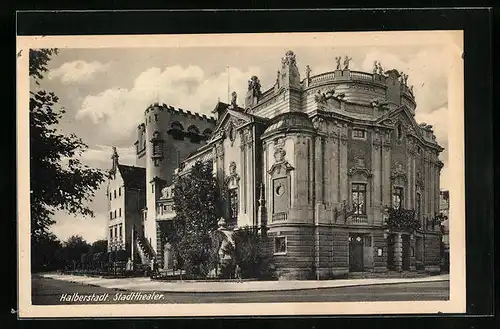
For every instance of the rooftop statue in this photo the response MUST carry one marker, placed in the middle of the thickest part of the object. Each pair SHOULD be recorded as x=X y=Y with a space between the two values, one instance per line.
x=289 y=59
x=347 y=60
x=337 y=59
x=380 y=69
x=254 y=86
x=375 y=67
x=308 y=72
x=233 y=99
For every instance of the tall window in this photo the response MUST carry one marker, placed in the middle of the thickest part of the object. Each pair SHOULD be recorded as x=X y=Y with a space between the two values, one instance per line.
x=359 y=198
x=110 y=215
x=119 y=191
x=115 y=213
x=116 y=235
x=397 y=197
x=233 y=203
x=120 y=212
x=120 y=230
x=114 y=193
x=280 y=245
x=110 y=196
x=111 y=233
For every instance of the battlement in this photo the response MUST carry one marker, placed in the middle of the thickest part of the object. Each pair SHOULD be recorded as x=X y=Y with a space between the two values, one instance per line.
x=160 y=107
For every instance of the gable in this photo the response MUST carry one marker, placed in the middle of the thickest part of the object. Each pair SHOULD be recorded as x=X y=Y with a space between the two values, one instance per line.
x=231 y=120
x=401 y=115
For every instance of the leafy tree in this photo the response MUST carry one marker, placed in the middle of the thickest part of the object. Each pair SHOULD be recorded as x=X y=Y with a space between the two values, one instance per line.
x=99 y=246
x=58 y=179
x=251 y=253
x=74 y=248
x=196 y=204
x=46 y=253
x=402 y=219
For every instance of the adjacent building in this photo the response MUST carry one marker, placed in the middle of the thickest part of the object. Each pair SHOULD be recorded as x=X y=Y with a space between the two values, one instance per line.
x=444 y=209
x=314 y=162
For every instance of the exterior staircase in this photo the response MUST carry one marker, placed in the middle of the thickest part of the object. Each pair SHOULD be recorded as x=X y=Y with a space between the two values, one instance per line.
x=144 y=248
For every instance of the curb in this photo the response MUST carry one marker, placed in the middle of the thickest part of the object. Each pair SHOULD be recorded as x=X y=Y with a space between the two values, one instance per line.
x=346 y=285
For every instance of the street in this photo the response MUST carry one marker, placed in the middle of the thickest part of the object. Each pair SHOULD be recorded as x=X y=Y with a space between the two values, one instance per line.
x=47 y=291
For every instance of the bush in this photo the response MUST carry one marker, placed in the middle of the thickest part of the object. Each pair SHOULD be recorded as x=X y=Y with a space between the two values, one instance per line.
x=402 y=219
x=250 y=252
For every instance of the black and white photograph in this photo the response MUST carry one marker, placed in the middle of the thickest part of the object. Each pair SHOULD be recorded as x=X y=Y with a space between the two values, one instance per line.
x=241 y=174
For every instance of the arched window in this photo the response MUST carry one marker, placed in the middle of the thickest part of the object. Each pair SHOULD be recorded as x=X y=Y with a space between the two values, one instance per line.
x=177 y=126
x=193 y=129
x=207 y=132
x=399 y=131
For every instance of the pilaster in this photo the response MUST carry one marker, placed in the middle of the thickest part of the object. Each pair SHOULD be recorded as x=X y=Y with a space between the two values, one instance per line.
x=398 y=253
x=344 y=188
x=376 y=178
x=386 y=171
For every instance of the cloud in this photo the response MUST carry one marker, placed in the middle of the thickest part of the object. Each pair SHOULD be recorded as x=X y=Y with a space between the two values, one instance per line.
x=118 y=111
x=90 y=228
x=427 y=71
x=100 y=156
x=78 y=71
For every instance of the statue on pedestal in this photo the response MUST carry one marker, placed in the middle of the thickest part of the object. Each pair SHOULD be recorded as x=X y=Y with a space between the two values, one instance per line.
x=337 y=59
x=347 y=60
x=380 y=69
x=233 y=99
x=375 y=67
x=308 y=72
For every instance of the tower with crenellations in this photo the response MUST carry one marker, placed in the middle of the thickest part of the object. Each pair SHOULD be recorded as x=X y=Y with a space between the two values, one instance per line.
x=166 y=136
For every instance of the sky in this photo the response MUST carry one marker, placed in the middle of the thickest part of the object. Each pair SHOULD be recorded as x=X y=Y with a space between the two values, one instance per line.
x=105 y=92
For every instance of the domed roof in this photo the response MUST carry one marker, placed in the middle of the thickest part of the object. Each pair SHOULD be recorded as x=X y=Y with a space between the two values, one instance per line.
x=290 y=121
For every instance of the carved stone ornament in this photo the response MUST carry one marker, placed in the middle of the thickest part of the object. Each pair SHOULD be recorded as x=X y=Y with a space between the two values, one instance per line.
x=289 y=59
x=358 y=167
x=233 y=178
x=280 y=163
x=254 y=86
x=318 y=122
x=419 y=181
x=231 y=132
x=398 y=171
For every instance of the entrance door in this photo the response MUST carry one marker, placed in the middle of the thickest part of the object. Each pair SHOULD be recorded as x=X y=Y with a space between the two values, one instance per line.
x=406 y=252
x=356 y=253
x=390 y=251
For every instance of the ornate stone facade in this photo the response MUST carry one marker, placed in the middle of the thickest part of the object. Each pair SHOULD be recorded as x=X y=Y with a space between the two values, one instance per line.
x=316 y=162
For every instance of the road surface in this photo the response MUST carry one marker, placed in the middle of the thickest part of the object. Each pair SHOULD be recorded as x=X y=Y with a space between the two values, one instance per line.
x=49 y=292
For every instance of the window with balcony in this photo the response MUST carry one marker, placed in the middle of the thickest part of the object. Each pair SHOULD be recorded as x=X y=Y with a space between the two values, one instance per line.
x=397 y=197
x=359 y=198
x=280 y=245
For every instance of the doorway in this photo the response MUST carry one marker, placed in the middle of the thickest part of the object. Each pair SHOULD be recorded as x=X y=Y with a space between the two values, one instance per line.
x=391 y=241
x=356 y=253
x=405 y=252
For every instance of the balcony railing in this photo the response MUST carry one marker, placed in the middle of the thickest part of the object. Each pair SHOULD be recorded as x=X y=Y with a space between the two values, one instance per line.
x=359 y=220
x=280 y=216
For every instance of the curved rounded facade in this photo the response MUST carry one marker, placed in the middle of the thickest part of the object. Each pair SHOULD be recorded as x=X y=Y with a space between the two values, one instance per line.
x=316 y=162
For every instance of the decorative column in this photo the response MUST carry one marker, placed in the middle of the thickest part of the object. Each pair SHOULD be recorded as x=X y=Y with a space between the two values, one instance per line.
x=412 y=253
x=398 y=252
x=386 y=171
x=251 y=179
x=262 y=211
x=344 y=189
x=376 y=178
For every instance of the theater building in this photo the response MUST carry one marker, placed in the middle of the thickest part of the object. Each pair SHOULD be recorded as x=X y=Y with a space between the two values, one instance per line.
x=314 y=162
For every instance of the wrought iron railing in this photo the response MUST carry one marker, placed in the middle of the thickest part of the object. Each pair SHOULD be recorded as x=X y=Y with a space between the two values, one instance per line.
x=280 y=216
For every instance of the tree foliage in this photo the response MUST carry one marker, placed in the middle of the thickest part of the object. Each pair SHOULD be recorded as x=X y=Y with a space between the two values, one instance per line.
x=196 y=204
x=59 y=181
x=74 y=248
x=46 y=253
x=99 y=246
x=400 y=219
x=251 y=253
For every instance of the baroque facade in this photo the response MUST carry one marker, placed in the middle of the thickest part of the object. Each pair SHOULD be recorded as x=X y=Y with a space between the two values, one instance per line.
x=314 y=162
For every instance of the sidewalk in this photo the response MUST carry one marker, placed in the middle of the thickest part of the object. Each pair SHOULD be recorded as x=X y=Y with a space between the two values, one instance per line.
x=146 y=284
